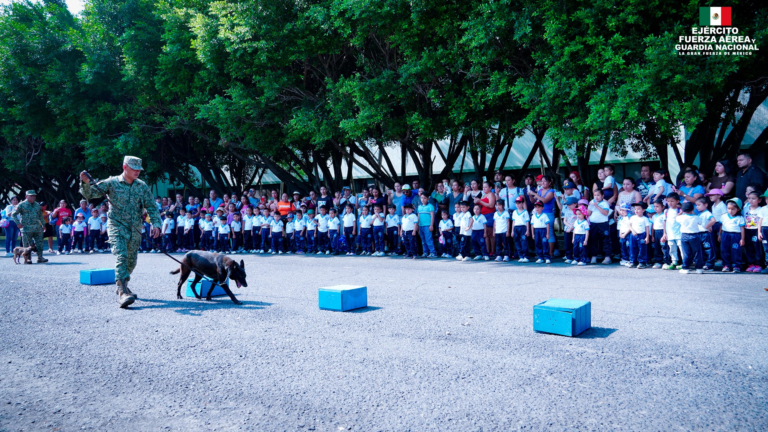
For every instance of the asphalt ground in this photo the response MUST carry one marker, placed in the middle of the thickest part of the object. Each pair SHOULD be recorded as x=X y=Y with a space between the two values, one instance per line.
x=443 y=345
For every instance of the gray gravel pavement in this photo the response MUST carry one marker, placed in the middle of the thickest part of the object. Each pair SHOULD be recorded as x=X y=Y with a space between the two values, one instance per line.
x=443 y=346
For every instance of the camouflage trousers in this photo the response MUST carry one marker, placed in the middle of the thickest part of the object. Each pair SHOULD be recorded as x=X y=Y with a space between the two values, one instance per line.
x=36 y=237
x=125 y=248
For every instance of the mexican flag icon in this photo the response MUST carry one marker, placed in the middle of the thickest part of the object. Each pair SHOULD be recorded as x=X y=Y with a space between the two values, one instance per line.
x=715 y=16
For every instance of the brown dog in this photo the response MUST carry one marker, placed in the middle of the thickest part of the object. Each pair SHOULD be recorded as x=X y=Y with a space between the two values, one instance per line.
x=217 y=267
x=25 y=252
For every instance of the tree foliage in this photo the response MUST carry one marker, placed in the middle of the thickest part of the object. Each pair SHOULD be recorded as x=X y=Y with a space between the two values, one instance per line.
x=310 y=89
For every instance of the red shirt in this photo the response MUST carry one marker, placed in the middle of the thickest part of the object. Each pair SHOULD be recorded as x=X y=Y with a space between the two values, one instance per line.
x=61 y=214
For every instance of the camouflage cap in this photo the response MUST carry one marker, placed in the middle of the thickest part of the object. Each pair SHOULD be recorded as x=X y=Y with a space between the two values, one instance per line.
x=31 y=192
x=133 y=162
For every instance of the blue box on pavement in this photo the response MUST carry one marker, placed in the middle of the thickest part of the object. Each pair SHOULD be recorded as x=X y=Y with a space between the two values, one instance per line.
x=206 y=285
x=343 y=297
x=562 y=317
x=97 y=276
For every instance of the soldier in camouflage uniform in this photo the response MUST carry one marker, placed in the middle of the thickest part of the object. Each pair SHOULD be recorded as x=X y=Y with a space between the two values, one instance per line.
x=31 y=223
x=129 y=197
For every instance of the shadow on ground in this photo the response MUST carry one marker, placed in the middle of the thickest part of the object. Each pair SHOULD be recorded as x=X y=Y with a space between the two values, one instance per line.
x=196 y=307
x=597 y=333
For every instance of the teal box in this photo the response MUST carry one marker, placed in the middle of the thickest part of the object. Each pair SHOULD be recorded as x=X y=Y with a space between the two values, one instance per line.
x=97 y=276
x=562 y=317
x=343 y=297
x=206 y=285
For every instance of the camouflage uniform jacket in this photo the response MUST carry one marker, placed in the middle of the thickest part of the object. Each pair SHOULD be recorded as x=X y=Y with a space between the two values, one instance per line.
x=31 y=216
x=128 y=202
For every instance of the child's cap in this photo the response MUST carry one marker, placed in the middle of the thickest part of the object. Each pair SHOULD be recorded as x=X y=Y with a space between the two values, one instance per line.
x=290 y=216
x=571 y=201
x=519 y=199
x=539 y=177
x=569 y=185
x=581 y=209
x=80 y=215
x=625 y=207
x=639 y=204
x=223 y=217
x=583 y=202
x=765 y=195
x=296 y=193
x=103 y=216
x=219 y=210
x=714 y=192
x=538 y=204
x=736 y=201
x=650 y=210
x=688 y=206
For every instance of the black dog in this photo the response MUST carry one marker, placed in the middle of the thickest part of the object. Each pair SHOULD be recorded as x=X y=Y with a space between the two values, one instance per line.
x=215 y=266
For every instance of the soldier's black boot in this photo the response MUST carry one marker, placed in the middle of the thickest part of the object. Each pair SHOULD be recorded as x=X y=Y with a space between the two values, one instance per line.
x=42 y=260
x=124 y=298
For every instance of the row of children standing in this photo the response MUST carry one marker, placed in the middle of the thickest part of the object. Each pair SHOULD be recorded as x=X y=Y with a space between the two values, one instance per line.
x=81 y=236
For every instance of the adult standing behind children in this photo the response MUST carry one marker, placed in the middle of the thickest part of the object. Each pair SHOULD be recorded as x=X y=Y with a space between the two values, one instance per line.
x=130 y=197
x=747 y=175
x=29 y=218
x=722 y=180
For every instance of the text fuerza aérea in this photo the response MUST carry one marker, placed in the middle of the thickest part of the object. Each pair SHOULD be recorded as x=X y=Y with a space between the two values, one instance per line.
x=715 y=41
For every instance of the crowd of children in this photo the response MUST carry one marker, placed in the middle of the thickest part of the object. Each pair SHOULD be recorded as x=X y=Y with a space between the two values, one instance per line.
x=667 y=234
x=662 y=231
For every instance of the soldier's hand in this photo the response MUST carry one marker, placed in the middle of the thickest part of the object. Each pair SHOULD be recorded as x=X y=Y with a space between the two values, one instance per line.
x=155 y=232
x=84 y=177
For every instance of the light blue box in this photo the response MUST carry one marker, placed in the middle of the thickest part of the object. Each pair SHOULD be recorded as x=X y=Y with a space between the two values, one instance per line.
x=343 y=297
x=562 y=317
x=97 y=276
x=203 y=286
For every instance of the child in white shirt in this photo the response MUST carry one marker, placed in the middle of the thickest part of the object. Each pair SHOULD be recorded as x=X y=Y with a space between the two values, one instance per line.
x=446 y=234
x=379 y=219
x=501 y=232
x=410 y=225
x=393 y=230
x=521 y=230
x=276 y=233
x=640 y=226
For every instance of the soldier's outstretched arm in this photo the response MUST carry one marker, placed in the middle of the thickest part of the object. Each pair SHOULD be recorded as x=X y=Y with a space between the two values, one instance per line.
x=89 y=192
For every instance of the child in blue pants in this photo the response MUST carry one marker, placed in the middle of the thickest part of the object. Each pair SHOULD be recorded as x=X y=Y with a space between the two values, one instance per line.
x=410 y=222
x=478 y=230
x=446 y=232
x=539 y=221
x=640 y=227
x=393 y=230
x=501 y=231
x=580 y=236
x=732 y=234
x=521 y=229
x=276 y=233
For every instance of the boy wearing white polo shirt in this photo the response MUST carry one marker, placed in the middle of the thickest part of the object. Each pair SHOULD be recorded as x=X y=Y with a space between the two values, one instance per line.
x=599 y=212
x=465 y=232
x=501 y=231
x=521 y=229
x=640 y=226
x=409 y=223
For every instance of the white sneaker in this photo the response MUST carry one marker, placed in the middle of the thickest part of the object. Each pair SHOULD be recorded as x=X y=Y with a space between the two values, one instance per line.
x=498 y=258
x=280 y=253
x=58 y=253
x=684 y=271
x=539 y=261
x=548 y=262
x=459 y=257
x=521 y=260
x=525 y=260
x=699 y=271
x=92 y=252
x=582 y=263
x=327 y=252
x=506 y=259
x=319 y=253
x=567 y=261
x=486 y=258
x=466 y=258
x=574 y=262
x=478 y=258
x=594 y=260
